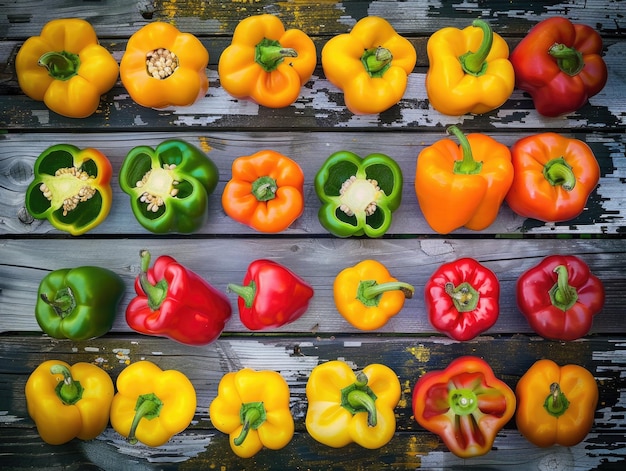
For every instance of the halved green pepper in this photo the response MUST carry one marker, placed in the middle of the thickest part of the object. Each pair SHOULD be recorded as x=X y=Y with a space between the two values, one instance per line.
x=78 y=303
x=71 y=188
x=169 y=186
x=358 y=194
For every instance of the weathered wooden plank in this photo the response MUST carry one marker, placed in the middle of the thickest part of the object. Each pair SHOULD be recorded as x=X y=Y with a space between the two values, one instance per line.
x=24 y=262
x=605 y=212
x=294 y=358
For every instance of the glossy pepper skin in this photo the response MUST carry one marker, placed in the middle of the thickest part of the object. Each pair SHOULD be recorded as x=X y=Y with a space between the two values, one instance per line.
x=555 y=404
x=367 y=296
x=78 y=303
x=71 y=188
x=469 y=70
x=560 y=64
x=346 y=407
x=465 y=404
x=252 y=407
x=267 y=63
x=68 y=402
x=553 y=177
x=462 y=185
x=66 y=68
x=370 y=64
x=173 y=301
x=271 y=295
x=169 y=186
x=152 y=405
x=265 y=191
x=358 y=195
x=183 y=85
x=559 y=297
x=462 y=299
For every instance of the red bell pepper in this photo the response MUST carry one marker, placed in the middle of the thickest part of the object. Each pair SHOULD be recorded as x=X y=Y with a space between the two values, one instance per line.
x=271 y=295
x=559 y=297
x=462 y=299
x=465 y=404
x=175 y=302
x=560 y=65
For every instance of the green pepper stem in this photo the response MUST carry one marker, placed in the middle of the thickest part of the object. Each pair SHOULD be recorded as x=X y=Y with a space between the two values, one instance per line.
x=558 y=172
x=68 y=390
x=148 y=406
x=269 y=54
x=462 y=401
x=156 y=293
x=466 y=166
x=252 y=416
x=370 y=290
x=464 y=296
x=264 y=188
x=358 y=397
x=248 y=292
x=562 y=295
x=376 y=61
x=556 y=403
x=474 y=63
x=61 y=65
x=568 y=59
x=63 y=303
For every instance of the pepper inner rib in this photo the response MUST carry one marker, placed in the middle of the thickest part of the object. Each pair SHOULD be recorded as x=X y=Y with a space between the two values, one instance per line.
x=68 y=187
x=359 y=195
x=158 y=184
x=161 y=63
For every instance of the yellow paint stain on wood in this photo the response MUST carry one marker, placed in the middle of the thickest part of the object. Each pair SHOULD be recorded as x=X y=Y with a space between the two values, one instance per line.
x=420 y=352
x=204 y=144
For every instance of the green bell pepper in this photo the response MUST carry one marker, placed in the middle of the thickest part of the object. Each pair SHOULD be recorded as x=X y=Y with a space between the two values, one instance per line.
x=78 y=303
x=358 y=194
x=169 y=186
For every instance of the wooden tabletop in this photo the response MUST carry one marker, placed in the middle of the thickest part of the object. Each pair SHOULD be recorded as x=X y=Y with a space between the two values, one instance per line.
x=308 y=131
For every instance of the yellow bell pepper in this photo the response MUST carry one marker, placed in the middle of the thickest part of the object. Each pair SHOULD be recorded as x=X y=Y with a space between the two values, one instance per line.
x=469 y=70
x=253 y=408
x=266 y=63
x=67 y=402
x=66 y=68
x=367 y=296
x=346 y=407
x=152 y=405
x=163 y=67
x=370 y=64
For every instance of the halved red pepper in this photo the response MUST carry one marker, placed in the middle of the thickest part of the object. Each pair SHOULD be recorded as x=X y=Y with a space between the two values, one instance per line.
x=174 y=302
x=462 y=299
x=559 y=297
x=271 y=295
x=465 y=404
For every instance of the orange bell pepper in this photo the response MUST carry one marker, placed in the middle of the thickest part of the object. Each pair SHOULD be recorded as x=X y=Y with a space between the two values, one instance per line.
x=454 y=190
x=163 y=67
x=555 y=405
x=266 y=63
x=265 y=192
x=553 y=177
x=370 y=64
x=66 y=68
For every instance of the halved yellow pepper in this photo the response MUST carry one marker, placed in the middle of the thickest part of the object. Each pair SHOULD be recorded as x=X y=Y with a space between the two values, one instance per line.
x=346 y=407
x=370 y=64
x=69 y=402
x=66 y=68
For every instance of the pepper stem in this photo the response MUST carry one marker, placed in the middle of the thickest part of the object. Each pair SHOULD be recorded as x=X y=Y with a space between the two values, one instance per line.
x=559 y=172
x=252 y=416
x=464 y=296
x=474 y=63
x=358 y=397
x=156 y=293
x=568 y=59
x=556 y=403
x=264 y=188
x=269 y=54
x=63 y=303
x=369 y=292
x=246 y=292
x=462 y=401
x=466 y=166
x=562 y=295
x=61 y=65
x=68 y=390
x=376 y=61
x=148 y=406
